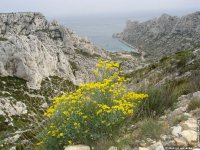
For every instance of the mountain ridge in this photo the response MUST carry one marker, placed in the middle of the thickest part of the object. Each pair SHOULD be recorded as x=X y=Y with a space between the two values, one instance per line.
x=31 y=48
x=163 y=35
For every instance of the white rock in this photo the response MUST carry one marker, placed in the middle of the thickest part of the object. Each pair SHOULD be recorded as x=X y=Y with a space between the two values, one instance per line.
x=191 y=124
x=44 y=105
x=143 y=148
x=157 y=146
x=176 y=131
x=13 y=148
x=9 y=108
x=113 y=148
x=12 y=139
x=77 y=147
x=190 y=136
x=36 y=49
x=196 y=95
x=180 y=141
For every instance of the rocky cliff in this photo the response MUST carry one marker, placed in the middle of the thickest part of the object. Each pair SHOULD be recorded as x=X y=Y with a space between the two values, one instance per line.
x=31 y=48
x=163 y=35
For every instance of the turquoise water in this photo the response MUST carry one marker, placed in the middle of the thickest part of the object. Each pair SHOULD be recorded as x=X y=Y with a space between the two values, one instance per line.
x=99 y=31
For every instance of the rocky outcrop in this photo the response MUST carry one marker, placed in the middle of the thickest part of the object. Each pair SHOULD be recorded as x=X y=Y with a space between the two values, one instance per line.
x=163 y=35
x=77 y=147
x=31 y=48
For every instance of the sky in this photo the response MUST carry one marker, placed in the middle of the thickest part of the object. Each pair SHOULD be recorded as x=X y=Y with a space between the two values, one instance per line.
x=52 y=8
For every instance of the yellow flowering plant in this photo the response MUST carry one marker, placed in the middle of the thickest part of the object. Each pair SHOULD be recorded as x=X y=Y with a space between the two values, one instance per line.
x=94 y=111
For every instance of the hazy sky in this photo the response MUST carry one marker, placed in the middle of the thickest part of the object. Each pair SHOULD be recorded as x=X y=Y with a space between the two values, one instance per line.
x=85 y=7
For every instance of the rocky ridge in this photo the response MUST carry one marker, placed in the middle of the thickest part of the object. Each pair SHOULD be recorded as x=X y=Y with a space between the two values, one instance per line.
x=31 y=48
x=164 y=35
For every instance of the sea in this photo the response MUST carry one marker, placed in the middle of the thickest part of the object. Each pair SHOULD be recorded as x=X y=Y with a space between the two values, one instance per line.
x=100 y=28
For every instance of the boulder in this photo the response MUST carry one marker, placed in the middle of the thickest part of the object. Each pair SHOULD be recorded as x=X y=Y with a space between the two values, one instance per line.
x=77 y=147
x=190 y=136
x=180 y=142
x=176 y=131
x=190 y=124
x=143 y=148
x=157 y=146
x=113 y=148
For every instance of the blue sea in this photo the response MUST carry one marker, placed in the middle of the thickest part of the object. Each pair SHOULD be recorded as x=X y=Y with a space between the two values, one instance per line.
x=99 y=30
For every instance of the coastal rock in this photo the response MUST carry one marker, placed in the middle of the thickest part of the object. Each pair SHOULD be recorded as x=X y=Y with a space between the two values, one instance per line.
x=163 y=35
x=31 y=48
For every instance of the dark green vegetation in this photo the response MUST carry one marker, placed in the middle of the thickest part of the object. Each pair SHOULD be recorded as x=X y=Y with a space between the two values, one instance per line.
x=3 y=39
x=165 y=80
x=42 y=30
x=194 y=104
x=16 y=90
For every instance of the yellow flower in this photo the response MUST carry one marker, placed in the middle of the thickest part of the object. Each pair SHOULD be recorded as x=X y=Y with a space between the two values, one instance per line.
x=39 y=143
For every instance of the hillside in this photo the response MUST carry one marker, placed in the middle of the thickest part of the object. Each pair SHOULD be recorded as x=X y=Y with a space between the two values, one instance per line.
x=40 y=61
x=163 y=35
x=31 y=48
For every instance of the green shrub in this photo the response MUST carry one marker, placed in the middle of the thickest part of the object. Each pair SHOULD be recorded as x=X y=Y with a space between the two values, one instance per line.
x=179 y=119
x=94 y=112
x=3 y=39
x=151 y=128
x=194 y=104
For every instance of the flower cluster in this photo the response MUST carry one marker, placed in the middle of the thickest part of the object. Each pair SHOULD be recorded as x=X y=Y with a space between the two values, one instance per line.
x=93 y=111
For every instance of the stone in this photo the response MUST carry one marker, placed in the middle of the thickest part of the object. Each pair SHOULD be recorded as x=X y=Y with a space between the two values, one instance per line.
x=77 y=147
x=113 y=148
x=150 y=141
x=143 y=148
x=10 y=108
x=143 y=143
x=12 y=139
x=165 y=137
x=196 y=95
x=176 y=130
x=190 y=124
x=13 y=148
x=180 y=141
x=190 y=136
x=157 y=146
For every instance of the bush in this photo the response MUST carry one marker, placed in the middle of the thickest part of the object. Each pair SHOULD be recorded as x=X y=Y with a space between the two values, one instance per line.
x=194 y=104
x=151 y=128
x=95 y=111
x=161 y=98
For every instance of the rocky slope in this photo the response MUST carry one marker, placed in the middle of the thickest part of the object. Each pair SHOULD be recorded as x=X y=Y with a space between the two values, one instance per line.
x=38 y=60
x=163 y=35
x=31 y=48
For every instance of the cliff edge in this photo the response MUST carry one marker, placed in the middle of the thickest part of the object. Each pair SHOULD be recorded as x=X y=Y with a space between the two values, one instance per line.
x=164 y=35
x=31 y=48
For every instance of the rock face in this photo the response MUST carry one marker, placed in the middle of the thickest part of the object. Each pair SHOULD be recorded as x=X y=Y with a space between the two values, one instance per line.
x=77 y=147
x=163 y=35
x=31 y=48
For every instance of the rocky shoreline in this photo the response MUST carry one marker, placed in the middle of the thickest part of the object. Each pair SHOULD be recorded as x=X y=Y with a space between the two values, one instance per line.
x=164 y=35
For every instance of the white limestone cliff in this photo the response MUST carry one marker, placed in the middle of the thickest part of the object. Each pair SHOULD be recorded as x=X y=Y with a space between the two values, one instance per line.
x=32 y=49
